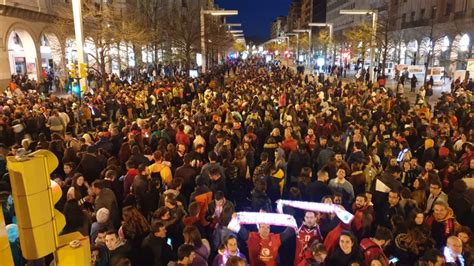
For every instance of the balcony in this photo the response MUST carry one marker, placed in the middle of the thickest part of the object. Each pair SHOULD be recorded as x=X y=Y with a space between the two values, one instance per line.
x=416 y=23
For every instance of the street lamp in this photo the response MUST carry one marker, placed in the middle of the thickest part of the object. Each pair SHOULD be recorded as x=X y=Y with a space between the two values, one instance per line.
x=374 y=14
x=310 y=48
x=203 y=30
x=297 y=43
x=331 y=32
x=230 y=25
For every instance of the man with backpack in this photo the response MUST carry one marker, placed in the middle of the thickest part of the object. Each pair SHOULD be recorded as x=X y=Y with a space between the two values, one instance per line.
x=373 y=247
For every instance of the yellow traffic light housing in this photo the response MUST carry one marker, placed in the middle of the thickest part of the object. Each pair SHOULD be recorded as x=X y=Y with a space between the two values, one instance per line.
x=34 y=197
x=72 y=71
x=82 y=70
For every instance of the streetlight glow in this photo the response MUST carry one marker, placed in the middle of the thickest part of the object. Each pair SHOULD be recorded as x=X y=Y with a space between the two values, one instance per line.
x=356 y=12
x=221 y=12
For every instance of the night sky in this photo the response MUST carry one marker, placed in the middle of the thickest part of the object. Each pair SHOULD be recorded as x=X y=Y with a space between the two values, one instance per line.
x=256 y=16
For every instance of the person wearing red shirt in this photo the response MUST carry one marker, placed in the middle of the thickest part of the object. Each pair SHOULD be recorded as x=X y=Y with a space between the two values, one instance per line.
x=307 y=234
x=289 y=144
x=181 y=137
x=373 y=247
x=263 y=245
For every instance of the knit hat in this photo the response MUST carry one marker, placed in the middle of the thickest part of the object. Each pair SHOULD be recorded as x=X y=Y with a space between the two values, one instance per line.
x=102 y=215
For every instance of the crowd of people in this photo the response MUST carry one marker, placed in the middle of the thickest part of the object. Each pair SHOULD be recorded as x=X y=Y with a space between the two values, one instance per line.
x=155 y=172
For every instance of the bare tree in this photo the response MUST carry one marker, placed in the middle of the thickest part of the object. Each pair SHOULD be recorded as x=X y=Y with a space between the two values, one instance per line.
x=182 y=27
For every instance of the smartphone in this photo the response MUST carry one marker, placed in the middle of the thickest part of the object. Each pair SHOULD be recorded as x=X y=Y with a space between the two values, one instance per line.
x=393 y=260
x=168 y=242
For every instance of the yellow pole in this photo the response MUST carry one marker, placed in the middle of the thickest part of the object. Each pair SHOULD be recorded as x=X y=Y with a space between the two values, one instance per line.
x=6 y=258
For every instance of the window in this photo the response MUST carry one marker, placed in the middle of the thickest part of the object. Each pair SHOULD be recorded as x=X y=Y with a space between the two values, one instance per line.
x=422 y=13
x=404 y=18
x=449 y=9
x=412 y=16
x=434 y=9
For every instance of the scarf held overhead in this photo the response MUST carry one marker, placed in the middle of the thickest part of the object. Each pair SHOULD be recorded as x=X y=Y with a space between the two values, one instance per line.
x=277 y=219
x=343 y=215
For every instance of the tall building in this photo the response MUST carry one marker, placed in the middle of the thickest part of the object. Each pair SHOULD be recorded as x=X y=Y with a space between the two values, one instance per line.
x=294 y=15
x=278 y=26
x=312 y=11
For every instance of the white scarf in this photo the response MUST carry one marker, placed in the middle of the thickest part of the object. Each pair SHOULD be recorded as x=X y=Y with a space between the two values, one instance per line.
x=345 y=216
x=277 y=219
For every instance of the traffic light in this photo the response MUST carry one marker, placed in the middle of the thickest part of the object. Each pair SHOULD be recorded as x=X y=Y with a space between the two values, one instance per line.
x=82 y=70
x=34 y=197
x=72 y=71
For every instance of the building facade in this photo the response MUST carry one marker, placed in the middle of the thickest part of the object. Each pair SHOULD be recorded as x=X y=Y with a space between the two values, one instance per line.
x=442 y=29
x=278 y=26
x=29 y=44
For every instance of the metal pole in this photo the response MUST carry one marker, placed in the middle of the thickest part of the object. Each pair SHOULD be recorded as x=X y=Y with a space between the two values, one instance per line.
x=331 y=32
x=310 y=51
x=297 y=48
x=77 y=12
x=203 y=43
x=372 y=45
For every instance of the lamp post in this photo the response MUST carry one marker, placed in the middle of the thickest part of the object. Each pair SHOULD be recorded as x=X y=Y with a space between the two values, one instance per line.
x=331 y=32
x=310 y=47
x=203 y=30
x=374 y=14
x=297 y=43
x=230 y=25
x=78 y=30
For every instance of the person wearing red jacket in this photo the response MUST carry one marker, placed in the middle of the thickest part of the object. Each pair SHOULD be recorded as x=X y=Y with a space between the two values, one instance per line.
x=363 y=216
x=182 y=137
x=373 y=247
x=307 y=234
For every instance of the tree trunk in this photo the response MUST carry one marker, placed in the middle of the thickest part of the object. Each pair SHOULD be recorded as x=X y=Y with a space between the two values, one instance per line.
x=187 y=64
x=103 y=71
x=138 y=55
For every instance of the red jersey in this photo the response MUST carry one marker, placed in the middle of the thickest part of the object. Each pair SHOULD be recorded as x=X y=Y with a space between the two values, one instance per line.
x=305 y=237
x=263 y=252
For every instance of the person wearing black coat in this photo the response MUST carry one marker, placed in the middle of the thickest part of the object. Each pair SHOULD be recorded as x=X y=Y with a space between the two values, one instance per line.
x=459 y=201
x=217 y=182
x=89 y=166
x=318 y=189
x=188 y=173
x=296 y=161
x=118 y=248
x=140 y=188
x=156 y=251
